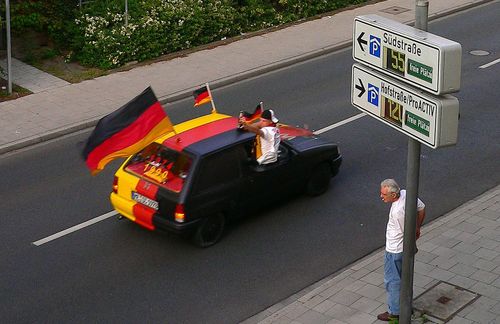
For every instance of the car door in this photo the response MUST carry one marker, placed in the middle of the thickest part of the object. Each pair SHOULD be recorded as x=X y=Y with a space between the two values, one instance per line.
x=268 y=183
x=217 y=184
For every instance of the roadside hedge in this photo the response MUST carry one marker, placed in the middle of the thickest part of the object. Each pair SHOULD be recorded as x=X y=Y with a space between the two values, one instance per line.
x=97 y=34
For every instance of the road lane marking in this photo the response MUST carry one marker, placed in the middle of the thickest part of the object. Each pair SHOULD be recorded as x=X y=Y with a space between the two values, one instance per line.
x=113 y=213
x=340 y=123
x=75 y=228
x=487 y=65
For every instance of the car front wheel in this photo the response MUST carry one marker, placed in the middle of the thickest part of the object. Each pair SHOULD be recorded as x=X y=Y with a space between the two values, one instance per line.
x=210 y=230
x=319 y=181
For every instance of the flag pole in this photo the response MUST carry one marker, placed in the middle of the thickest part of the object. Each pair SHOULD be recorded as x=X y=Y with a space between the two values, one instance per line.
x=211 y=99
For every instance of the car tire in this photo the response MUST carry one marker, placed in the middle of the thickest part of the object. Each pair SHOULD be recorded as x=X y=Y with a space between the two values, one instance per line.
x=319 y=181
x=210 y=230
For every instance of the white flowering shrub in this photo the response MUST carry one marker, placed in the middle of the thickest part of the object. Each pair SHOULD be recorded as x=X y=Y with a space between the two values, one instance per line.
x=154 y=28
x=101 y=37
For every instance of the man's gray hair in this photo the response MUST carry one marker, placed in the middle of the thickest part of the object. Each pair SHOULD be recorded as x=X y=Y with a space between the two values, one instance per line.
x=392 y=185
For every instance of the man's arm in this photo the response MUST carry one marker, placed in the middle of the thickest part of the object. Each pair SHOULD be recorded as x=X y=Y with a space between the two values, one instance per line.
x=420 y=220
x=252 y=128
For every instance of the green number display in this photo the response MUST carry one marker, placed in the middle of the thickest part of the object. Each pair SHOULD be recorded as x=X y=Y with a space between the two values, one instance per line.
x=394 y=61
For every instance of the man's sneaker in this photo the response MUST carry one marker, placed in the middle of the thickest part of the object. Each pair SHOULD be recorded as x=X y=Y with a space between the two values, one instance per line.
x=386 y=317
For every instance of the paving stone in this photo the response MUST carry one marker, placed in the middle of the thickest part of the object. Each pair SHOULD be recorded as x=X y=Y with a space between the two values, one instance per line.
x=466 y=258
x=360 y=273
x=482 y=316
x=313 y=317
x=444 y=252
x=488 y=214
x=314 y=301
x=495 y=308
x=486 y=253
x=341 y=312
x=366 y=305
x=423 y=268
x=463 y=269
x=484 y=276
x=463 y=282
x=345 y=297
x=467 y=227
x=324 y=306
x=360 y=318
x=373 y=278
x=466 y=247
x=486 y=290
x=484 y=302
x=375 y=264
x=441 y=274
x=460 y=320
x=371 y=291
x=445 y=241
x=487 y=243
x=467 y=237
x=420 y=280
x=485 y=265
x=452 y=232
x=443 y=263
x=355 y=286
x=426 y=246
x=424 y=256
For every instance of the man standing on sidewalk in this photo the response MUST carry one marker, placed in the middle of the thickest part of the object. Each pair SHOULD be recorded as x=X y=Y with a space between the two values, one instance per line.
x=393 y=259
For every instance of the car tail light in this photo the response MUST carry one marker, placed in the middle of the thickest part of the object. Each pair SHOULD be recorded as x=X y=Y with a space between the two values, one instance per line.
x=115 y=185
x=179 y=213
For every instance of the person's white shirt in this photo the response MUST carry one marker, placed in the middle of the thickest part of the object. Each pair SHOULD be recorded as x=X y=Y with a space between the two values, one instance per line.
x=269 y=144
x=396 y=224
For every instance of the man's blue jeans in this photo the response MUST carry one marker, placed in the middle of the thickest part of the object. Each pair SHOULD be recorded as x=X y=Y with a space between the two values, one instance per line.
x=392 y=279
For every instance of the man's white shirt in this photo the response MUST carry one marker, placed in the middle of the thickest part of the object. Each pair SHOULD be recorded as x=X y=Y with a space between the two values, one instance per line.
x=396 y=224
x=269 y=144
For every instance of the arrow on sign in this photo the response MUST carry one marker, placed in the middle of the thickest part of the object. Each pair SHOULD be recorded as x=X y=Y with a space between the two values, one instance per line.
x=361 y=41
x=360 y=88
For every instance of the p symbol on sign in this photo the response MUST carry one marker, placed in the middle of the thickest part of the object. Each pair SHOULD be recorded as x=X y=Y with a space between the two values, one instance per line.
x=373 y=94
x=374 y=46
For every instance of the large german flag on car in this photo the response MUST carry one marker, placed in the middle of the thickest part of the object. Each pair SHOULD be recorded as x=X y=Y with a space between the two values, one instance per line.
x=126 y=131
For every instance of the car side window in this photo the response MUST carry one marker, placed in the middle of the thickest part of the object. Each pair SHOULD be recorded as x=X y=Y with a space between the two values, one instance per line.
x=219 y=168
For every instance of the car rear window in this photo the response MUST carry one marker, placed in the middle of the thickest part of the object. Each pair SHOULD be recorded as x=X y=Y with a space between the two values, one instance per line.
x=161 y=165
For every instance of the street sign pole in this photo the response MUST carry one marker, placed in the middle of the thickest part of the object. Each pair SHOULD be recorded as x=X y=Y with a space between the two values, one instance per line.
x=412 y=182
x=9 y=52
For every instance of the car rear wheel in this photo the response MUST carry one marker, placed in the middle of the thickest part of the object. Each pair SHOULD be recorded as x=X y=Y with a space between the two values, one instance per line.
x=319 y=181
x=210 y=230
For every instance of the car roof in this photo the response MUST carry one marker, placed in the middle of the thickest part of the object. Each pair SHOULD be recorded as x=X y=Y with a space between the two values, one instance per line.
x=215 y=131
x=205 y=134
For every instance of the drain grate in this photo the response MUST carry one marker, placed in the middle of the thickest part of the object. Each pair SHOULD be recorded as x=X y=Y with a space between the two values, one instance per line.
x=394 y=10
x=444 y=300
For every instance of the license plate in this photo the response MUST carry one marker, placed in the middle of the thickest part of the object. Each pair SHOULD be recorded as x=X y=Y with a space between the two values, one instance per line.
x=145 y=200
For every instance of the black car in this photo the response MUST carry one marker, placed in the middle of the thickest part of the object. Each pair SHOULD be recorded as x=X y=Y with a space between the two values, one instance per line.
x=196 y=179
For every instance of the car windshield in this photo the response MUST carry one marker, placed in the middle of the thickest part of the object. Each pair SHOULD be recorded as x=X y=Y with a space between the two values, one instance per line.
x=161 y=165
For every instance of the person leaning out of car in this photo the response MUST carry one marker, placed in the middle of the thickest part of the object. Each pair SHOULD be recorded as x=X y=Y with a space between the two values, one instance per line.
x=268 y=137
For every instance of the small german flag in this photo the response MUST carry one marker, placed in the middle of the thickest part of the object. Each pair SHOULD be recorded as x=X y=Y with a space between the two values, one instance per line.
x=251 y=117
x=126 y=131
x=201 y=96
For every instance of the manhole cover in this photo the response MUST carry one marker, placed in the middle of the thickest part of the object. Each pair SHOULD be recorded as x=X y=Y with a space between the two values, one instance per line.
x=444 y=300
x=394 y=10
x=479 y=53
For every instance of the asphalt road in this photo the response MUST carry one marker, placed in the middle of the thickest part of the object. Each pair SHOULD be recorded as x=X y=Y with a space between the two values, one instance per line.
x=114 y=271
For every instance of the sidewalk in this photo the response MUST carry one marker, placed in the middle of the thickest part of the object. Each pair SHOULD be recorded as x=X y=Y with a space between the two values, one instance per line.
x=67 y=108
x=460 y=249
x=458 y=258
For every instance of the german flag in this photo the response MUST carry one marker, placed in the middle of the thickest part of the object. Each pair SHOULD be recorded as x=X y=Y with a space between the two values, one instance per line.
x=201 y=96
x=251 y=117
x=126 y=131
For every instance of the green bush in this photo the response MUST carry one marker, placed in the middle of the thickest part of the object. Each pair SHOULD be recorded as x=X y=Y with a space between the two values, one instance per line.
x=97 y=34
x=155 y=27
